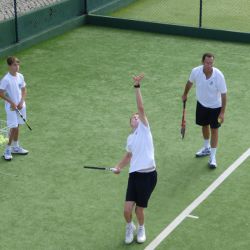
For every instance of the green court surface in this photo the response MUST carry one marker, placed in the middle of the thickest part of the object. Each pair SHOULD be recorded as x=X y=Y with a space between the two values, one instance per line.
x=80 y=98
x=223 y=218
x=224 y=14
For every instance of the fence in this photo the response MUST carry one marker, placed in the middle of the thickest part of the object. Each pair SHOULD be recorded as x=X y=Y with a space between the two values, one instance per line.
x=20 y=19
x=223 y=20
x=230 y=15
x=226 y=20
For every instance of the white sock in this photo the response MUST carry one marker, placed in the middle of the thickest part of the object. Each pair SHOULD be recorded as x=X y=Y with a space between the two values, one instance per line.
x=130 y=224
x=140 y=226
x=15 y=143
x=213 y=153
x=207 y=143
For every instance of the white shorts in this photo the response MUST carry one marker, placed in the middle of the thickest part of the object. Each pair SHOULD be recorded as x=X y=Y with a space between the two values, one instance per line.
x=13 y=118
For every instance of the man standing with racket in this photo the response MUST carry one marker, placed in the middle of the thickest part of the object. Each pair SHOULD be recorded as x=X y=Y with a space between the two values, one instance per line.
x=13 y=91
x=142 y=172
x=211 y=97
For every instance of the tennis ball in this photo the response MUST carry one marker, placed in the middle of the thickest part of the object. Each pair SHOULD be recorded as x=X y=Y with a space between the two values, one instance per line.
x=219 y=120
x=3 y=140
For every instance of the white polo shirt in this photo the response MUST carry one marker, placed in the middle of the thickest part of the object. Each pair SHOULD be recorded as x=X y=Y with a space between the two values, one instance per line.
x=208 y=91
x=12 y=85
x=140 y=144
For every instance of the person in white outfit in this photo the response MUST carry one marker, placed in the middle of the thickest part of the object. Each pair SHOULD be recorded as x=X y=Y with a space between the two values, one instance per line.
x=142 y=172
x=13 y=91
x=211 y=95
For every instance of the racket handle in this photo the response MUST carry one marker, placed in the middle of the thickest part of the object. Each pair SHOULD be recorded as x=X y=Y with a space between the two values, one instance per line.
x=184 y=104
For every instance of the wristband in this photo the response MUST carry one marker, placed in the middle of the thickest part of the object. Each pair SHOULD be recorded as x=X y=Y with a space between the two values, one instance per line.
x=137 y=86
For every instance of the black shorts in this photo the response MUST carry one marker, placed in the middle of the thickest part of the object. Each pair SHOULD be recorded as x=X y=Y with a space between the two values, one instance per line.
x=140 y=187
x=207 y=116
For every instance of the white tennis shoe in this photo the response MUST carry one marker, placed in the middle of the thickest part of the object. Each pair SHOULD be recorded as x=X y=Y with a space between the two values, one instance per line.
x=130 y=230
x=203 y=152
x=212 y=163
x=141 y=236
x=19 y=150
x=7 y=154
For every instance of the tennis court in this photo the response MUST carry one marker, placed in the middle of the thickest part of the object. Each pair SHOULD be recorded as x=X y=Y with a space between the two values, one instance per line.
x=80 y=98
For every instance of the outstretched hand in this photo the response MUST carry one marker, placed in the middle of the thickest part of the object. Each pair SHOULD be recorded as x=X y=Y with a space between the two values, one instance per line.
x=137 y=79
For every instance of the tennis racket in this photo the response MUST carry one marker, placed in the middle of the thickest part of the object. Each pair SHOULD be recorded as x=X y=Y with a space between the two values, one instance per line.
x=101 y=168
x=183 y=120
x=18 y=111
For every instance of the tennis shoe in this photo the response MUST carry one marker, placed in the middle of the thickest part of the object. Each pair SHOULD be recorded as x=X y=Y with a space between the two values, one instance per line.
x=7 y=154
x=130 y=230
x=19 y=150
x=141 y=236
x=212 y=163
x=203 y=152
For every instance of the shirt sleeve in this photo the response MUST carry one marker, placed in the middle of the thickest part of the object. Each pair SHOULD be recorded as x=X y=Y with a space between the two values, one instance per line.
x=23 y=83
x=192 y=76
x=221 y=85
x=3 y=84
x=128 y=149
x=142 y=126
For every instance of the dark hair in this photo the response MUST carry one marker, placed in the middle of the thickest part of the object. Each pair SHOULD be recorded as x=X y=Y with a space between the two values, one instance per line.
x=207 y=55
x=12 y=59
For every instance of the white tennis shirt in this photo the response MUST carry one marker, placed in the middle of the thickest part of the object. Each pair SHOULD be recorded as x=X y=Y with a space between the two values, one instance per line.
x=140 y=144
x=12 y=85
x=208 y=91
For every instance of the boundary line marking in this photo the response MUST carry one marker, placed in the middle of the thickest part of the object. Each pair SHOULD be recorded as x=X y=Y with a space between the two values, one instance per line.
x=187 y=211
x=192 y=216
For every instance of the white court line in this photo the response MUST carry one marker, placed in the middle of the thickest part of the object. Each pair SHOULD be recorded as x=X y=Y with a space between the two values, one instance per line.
x=187 y=211
x=192 y=216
